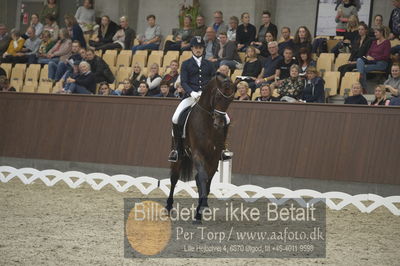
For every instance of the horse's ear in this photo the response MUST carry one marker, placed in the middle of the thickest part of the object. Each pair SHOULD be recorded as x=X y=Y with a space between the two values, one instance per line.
x=221 y=77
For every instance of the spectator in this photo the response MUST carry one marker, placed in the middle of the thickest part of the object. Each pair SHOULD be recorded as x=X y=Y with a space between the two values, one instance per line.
x=5 y=84
x=128 y=89
x=233 y=25
x=60 y=51
x=182 y=37
x=4 y=39
x=45 y=46
x=153 y=80
x=211 y=43
x=377 y=57
x=51 y=26
x=201 y=28
x=378 y=22
x=252 y=68
x=137 y=75
x=344 y=11
x=262 y=49
x=152 y=36
x=266 y=94
x=122 y=39
x=268 y=72
x=357 y=98
x=393 y=84
x=349 y=36
x=165 y=91
x=86 y=16
x=380 y=96
x=172 y=76
x=105 y=32
x=84 y=83
x=105 y=90
x=286 y=40
x=74 y=29
x=302 y=39
x=359 y=49
x=179 y=92
x=15 y=46
x=219 y=24
x=314 y=90
x=143 y=89
x=291 y=88
x=50 y=8
x=58 y=69
x=35 y=22
x=305 y=61
x=267 y=26
x=394 y=22
x=226 y=53
x=243 y=91
x=283 y=67
x=224 y=69
x=99 y=67
x=246 y=33
x=28 y=52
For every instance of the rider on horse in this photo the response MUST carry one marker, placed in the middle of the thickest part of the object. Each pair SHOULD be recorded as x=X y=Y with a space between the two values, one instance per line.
x=196 y=73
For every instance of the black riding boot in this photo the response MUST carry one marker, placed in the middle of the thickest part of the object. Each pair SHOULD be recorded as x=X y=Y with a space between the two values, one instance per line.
x=226 y=154
x=176 y=144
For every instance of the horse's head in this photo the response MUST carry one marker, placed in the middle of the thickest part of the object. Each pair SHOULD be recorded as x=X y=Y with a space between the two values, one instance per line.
x=223 y=94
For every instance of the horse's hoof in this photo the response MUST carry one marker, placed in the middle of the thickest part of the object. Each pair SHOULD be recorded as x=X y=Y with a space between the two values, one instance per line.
x=168 y=208
x=196 y=222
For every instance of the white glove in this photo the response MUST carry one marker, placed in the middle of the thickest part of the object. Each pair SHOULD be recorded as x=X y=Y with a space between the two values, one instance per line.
x=195 y=95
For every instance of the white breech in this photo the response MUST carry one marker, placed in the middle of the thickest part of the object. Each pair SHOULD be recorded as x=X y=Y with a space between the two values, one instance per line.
x=186 y=103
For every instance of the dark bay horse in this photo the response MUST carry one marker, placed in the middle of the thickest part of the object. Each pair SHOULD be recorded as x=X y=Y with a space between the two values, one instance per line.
x=206 y=133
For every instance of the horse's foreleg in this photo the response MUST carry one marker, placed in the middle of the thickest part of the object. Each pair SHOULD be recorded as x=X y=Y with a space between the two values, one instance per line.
x=174 y=179
x=201 y=181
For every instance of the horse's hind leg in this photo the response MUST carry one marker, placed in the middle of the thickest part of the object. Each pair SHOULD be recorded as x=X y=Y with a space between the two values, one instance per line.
x=174 y=179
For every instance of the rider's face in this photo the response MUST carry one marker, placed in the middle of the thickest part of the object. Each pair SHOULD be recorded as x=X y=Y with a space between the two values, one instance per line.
x=197 y=50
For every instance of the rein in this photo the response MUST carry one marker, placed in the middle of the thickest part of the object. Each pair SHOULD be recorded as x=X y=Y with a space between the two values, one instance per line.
x=215 y=111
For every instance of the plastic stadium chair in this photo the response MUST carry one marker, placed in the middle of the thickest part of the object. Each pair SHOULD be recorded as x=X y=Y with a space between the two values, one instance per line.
x=332 y=82
x=341 y=60
x=347 y=82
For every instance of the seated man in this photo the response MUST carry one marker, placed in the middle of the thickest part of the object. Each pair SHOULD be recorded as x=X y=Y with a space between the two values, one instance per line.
x=122 y=39
x=28 y=52
x=269 y=70
x=151 y=38
x=211 y=43
x=200 y=29
x=393 y=84
x=99 y=67
x=283 y=67
x=164 y=91
x=83 y=83
x=58 y=69
x=196 y=72
x=172 y=76
x=105 y=32
x=226 y=53
x=287 y=41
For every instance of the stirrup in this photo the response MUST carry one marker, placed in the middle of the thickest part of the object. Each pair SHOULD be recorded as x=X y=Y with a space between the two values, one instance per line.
x=173 y=156
x=226 y=155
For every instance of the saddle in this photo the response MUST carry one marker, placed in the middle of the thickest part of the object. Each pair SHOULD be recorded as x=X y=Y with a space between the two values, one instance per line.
x=182 y=121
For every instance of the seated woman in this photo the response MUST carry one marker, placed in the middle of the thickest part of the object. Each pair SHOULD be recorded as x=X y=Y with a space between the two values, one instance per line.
x=137 y=76
x=305 y=61
x=359 y=48
x=252 y=68
x=128 y=89
x=45 y=46
x=302 y=39
x=105 y=33
x=262 y=47
x=243 y=90
x=290 y=89
x=15 y=46
x=52 y=27
x=182 y=37
x=105 y=90
x=153 y=80
x=60 y=51
x=74 y=30
x=172 y=76
x=380 y=96
x=233 y=24
x=245 y=33
x=266 y=94
x=86 y=16
x=84 y=83
x=122 y=39
x=349 y=37
x=5 y=84
x=165 y=91
x=357 y=98
x=314 y=90
x=378 y=22
x=377 y=57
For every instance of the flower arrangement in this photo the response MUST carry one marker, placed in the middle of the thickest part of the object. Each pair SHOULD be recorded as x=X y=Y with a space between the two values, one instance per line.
x=192 y=10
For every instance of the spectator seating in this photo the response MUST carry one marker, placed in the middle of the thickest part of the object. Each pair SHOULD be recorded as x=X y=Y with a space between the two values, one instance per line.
x=169 y=56
x=332 y=79
x=256 y=94
x=124 y=58
x=236 y=73
x=156 y=56
x=7 y=68
x=347 y=81
x=341 y=60
x=325 y=62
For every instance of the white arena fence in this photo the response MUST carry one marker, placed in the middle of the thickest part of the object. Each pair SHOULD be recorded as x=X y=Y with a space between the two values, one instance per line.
x=221 y=188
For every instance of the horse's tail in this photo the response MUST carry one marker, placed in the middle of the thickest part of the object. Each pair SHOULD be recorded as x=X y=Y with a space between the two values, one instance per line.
x=186 y=170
